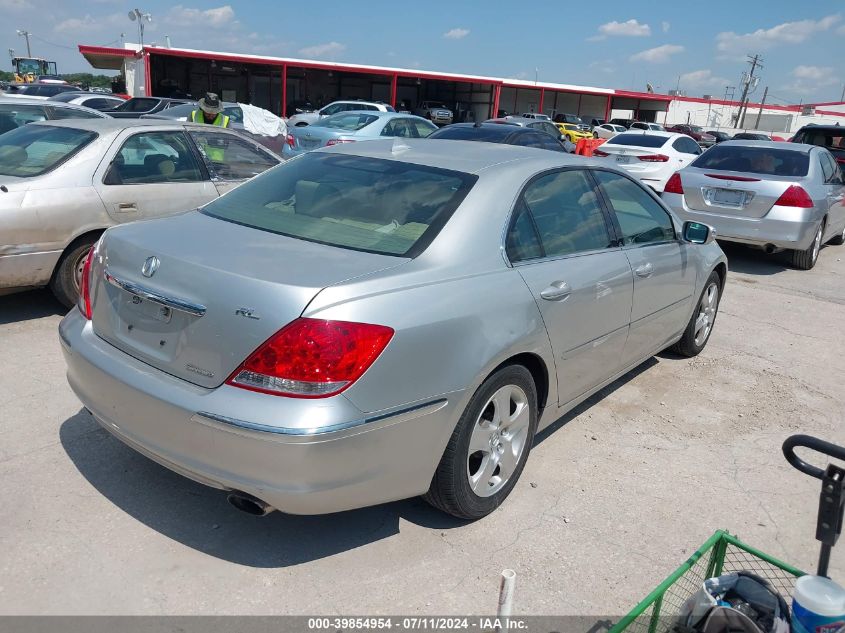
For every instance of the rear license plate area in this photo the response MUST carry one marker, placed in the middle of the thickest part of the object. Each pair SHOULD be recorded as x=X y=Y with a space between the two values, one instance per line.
x=624 y=160
x=734 y=198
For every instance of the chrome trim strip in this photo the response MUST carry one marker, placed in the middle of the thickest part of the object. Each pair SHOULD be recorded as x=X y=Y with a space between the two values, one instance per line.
x=194 y=309
x=417 y=411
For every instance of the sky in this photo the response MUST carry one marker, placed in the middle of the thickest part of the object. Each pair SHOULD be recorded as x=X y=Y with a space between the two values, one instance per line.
x=612 y=44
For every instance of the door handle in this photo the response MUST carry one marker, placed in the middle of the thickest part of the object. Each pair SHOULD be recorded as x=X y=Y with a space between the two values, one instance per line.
x=127 y=206
x=557 y=291
x=646 y=270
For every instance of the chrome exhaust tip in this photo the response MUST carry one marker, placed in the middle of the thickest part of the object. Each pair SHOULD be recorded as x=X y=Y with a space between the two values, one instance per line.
x=249 y=504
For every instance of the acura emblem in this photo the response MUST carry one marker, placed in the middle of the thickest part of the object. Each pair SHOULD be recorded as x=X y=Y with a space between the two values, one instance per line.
x=150 y=266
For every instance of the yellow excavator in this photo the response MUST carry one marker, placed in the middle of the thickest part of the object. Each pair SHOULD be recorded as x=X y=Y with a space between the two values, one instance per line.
x=28 y=69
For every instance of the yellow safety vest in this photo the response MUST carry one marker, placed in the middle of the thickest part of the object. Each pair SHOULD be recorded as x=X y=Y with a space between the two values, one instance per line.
x=215 y=154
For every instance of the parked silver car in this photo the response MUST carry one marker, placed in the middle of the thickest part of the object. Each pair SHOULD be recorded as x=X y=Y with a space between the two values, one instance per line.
x=302 y=119
x=364 y=324
x=63 y=182
x=17 y=112
x=349 y=127
x=767 y=194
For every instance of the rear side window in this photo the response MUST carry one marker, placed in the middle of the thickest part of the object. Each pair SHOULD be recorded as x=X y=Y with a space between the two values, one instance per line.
x=154 y=157
x=36 y=149
x=567 y=213
x=641 y=219
x=378 y=206
x=768 y=161
x=639 y=140
x=686 y=145
x=72 y=113
x=14 y=116
x=349 y=121
x=523 y=243
x=137 y=104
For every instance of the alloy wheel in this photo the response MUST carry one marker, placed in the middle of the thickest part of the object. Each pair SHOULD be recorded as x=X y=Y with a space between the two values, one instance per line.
x=706 y=314
x=498 y=440
x=817 y=243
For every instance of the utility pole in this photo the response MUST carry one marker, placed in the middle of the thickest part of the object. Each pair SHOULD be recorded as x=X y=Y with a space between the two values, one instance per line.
x=760 y=111
x=755 y=61
x=26 y=34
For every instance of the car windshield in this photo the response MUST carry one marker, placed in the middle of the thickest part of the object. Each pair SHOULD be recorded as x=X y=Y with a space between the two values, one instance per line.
x=696 y=129
x=348 y=121
x=366 y=204
x=35 y=149
x=137 y=104
x=833 y=139
x=487 y=133
x=639 y=140
x=755 y=160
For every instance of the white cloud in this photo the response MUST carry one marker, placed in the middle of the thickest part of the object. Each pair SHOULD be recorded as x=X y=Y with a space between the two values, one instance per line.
x=658 y=54
x=329 y=49
x=88 y=24
x=15 y=5
x=819 y=75
x=762 y=39
x=456 y=34
x=630 y=28
x=603 y=66
x=702 y=79
x=187 y=16
x=665 y=26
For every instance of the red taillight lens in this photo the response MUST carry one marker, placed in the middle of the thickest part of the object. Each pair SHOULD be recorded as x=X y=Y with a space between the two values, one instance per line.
x=338 y=141
x=599 y=153
x=729 y=177
x=654 y=158
x=673 y=185
x=290 y=140
x=795 y=196
x=841 y=161
x=312 y=358
x=84 y=303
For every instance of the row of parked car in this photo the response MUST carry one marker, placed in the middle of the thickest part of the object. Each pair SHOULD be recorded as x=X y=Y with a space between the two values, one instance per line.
x=263 y=344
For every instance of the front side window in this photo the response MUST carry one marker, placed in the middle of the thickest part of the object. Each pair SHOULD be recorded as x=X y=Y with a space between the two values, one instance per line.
x=567 y=213
x=33 y=150
x=154 y=157
x=640 y=217
x=230 y=157
x=354 y=202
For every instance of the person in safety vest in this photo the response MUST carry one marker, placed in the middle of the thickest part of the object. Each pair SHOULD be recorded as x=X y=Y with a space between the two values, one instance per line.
x=210 y=111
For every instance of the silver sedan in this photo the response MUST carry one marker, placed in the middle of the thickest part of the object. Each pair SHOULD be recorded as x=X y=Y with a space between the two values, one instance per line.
x=775 y=196
x=370 y=322
x=349 y=127
x=63 y=183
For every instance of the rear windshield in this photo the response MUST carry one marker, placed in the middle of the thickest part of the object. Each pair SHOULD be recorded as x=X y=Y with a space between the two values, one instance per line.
x=639 y=140
x=137 y=104
x=487 y=133
x=35 y=149
x=349 y=121
x=755 y=160
x=365 y=204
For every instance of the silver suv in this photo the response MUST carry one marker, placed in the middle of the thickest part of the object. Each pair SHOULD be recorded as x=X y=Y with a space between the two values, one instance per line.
x=307 y=118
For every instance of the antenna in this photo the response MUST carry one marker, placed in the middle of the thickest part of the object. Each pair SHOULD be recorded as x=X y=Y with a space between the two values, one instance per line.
x=649 y=87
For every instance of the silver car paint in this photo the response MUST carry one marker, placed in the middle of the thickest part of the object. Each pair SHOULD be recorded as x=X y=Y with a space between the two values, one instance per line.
x=760 y=222
x=459 y=310
x=43 y=215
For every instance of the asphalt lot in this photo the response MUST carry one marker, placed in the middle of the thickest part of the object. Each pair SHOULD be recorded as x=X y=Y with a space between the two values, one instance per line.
x=613 y=498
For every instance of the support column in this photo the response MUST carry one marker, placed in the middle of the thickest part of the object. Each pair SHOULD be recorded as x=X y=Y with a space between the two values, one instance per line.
x=148 y=87
x=393 y=88
x=497 y=93
x=542 y=98
x=607 y=109
x=284 y=90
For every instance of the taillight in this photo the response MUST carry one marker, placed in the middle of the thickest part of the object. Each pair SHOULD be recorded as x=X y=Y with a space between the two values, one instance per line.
x=84 y=303
x=599 y=153
x=312 y=358
x=841 y=161
x=654 y=158
x=736 y=178
x=795 y=196
x=673 y=185
x=290 y=140
x=338 y=141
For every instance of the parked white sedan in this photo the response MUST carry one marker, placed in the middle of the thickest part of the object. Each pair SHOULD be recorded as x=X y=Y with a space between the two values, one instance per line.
x=651 y=157
x=608 y=130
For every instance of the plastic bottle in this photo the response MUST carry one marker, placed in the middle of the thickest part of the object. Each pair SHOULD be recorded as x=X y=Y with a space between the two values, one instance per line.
x=818 y=606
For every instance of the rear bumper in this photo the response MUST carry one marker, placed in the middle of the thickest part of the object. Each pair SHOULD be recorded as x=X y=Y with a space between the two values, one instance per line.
x=27 y=269
x=348 y=460
x=781 y=227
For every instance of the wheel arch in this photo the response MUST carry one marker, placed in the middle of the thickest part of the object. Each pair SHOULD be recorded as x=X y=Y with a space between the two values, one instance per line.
x=538 y=370
x=721 y=269
x=92 y=234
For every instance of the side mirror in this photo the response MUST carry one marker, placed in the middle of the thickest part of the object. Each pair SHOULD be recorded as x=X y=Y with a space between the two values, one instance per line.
x=698 y=233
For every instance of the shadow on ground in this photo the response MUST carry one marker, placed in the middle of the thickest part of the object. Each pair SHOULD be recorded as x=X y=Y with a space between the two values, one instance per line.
x=754 y=261
x=201 y=518
x=32 y=304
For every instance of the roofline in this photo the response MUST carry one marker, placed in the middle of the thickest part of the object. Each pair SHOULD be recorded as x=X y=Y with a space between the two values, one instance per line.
x=107 y=50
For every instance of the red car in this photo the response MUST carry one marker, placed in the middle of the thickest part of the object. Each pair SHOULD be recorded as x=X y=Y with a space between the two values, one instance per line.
x=703 y=138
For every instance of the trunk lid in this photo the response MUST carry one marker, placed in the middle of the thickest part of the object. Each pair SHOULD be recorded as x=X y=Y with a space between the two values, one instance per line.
x=246 y=282
x=730 y=193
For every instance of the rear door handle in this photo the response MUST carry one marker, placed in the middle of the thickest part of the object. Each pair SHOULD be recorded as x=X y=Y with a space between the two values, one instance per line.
x=127 y=206
x=557 y=291
x=646 y=270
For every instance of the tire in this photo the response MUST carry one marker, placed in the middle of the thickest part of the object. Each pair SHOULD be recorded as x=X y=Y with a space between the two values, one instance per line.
x=595 y=135
x=65 y=282
x=469 y=485
x=805 y=260
x=838 y=240
x=707 y=308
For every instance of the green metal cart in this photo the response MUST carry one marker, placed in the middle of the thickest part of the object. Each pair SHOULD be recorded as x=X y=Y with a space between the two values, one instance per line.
x=724 y=553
